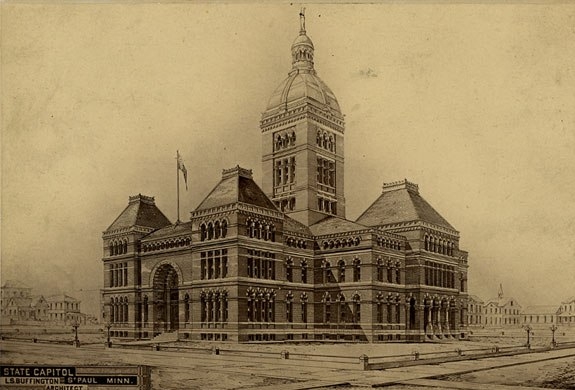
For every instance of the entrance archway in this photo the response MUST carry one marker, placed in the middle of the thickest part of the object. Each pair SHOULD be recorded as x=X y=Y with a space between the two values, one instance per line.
x=166 y=304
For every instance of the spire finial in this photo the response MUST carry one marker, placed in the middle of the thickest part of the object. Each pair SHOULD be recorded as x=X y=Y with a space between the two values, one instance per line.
x=500 y=293
x=302 y=21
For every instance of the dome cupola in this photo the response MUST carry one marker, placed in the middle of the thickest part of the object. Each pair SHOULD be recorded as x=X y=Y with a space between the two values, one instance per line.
x=302 y=48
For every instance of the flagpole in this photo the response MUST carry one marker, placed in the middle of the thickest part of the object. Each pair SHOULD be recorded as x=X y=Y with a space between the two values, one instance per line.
x=178 y=181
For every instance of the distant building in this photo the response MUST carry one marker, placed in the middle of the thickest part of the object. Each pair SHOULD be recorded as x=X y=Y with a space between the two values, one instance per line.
x=64 y=309
x=18 y=303
x=566 y=313
x=540 y=315
x=502 y=311
x=475 y=310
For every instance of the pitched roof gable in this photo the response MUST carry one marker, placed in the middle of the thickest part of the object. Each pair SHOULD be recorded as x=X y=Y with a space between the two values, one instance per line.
x=335 y=225
x=236 y=186
x=401 y=202
x=141 y=211
x=174 y=230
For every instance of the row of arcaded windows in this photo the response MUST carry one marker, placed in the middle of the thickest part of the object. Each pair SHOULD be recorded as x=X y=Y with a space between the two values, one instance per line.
x=339 y=311
x=261 y=264
x=325 y=140
x=261 y=230
x=168 y=244
x=118 y=275
x=119 y=310
x=390 y=305
x=389 y=243
x=285 y=171
x=388 y=271
x=290 y=307
x=341 y=243
x=289 y=270
x=214 y=264
x=213 y=230
x=118 y=247
x=326 y=172
x=261 y=305
x=329 y=277
x=284 y=139
x=285 y=204
x=439 y=275
x=438 y=245
x=327 y=205
x=296 y=243
x=214 y=305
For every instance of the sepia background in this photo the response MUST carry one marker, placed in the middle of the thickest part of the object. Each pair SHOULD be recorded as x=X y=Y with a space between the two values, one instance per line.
x=474 y=102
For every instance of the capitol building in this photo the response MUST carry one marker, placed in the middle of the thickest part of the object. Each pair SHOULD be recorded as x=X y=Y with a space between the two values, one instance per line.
x=278 y=260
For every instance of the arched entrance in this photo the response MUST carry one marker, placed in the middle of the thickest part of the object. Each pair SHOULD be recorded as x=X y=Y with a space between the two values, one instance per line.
x=166 y=315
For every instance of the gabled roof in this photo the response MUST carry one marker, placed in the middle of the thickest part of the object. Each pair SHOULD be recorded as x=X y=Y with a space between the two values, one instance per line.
x=503 y=301
x=236 y=186
x=15 y=284
x=174 y=230
x=291 y=225
x=401 y=202
x=141 y=211
x=335 y=225
x=569 y=300
x=475 y=298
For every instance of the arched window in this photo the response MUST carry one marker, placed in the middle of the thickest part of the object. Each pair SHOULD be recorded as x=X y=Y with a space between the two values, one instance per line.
x=304 y=271
x=304 y=300
x=289 y=307
x=125 y=248
x=217 y=229
x=397 y=273
x=380 y=270
x=203 y=232
x=327 y=308
x=289 y=270
x=327 y=272
x=210 y=231
x=341 y=271
x=224 y=228
x=356 y=270
x=342 y=309
x=251 y=304
x=187 y=308
x=356 y=309
x=145 y=310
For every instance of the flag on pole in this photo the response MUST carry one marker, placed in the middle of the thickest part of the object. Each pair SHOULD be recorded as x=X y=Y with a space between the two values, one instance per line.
x=182 y=168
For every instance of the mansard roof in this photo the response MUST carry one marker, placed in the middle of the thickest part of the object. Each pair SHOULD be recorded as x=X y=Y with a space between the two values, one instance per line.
x=177 y=229
x=400 y=202
x=141 y=211
x=335 y=225
x=236 y=186
x=291 y=225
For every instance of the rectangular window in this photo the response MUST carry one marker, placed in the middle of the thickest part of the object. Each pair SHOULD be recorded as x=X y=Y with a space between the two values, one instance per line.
x=210 y=265
x=217 y=264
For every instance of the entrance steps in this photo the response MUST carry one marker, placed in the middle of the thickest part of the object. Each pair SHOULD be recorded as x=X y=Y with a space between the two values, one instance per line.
x=166 y=337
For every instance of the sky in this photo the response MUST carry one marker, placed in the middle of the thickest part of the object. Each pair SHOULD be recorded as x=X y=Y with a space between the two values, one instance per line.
x=474 y=102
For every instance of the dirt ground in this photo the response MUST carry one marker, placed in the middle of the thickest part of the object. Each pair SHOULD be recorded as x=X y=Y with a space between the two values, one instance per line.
x=553 y=374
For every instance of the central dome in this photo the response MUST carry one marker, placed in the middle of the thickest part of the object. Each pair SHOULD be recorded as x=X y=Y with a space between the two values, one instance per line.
x=302 y=82
x=300 y=85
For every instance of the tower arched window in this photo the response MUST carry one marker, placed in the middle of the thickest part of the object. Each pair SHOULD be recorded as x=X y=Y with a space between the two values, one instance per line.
x=304 y=271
